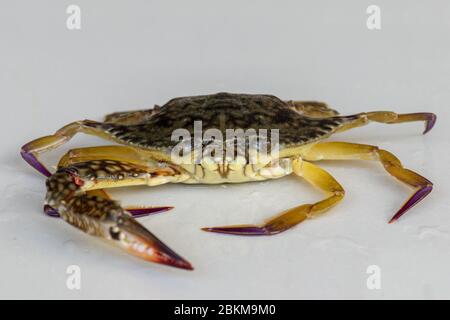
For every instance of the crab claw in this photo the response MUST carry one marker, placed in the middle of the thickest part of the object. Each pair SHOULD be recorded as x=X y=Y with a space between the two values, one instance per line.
x=105 y=218
x=138 y=241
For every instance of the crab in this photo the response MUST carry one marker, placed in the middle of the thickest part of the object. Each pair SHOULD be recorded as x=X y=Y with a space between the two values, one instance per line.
x=143 y=155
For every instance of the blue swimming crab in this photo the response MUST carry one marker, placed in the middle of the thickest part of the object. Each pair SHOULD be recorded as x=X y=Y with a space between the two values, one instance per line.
x=143 y=156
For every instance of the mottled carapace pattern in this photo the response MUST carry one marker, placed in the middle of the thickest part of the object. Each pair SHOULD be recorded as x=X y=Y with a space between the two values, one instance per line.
x=225 y=111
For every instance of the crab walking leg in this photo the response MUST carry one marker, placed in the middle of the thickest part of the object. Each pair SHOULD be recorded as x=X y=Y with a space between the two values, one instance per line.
x=353 y=151
x=316 y=176
x=68 y=191
x=31 y=150
x=389 y=117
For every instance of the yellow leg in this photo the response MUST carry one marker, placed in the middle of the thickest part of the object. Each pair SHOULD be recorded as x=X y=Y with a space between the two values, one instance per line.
x=31 y=150
x=314 y=175
x=353 y=151
x=389 y=117
x=117 y=153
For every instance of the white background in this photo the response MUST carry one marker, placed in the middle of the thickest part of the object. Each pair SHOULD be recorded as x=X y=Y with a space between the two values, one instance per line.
x=134 y=54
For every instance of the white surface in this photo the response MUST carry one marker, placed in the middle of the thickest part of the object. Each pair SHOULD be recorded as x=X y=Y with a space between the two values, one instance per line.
x=136 y=54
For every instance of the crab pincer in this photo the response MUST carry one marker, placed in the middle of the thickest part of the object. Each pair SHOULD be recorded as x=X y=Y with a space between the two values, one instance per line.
x=137 y=240
x=106 y=219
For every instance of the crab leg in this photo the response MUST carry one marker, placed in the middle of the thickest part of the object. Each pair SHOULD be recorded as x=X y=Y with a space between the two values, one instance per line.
x=116 y=153
x=352 y=151
x=69 y=192
x=389 y=117
x=31 y=150
x=316 y=176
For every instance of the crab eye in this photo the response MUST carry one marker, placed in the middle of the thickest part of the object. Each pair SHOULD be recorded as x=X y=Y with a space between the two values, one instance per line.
x=114 y=232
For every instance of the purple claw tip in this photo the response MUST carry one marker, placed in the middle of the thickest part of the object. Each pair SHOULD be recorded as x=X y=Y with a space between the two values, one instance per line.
x=32 y=161
x=50 y=211
x=242 y=230
x=431 y=121
x=143 y=212
x=416 y=198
